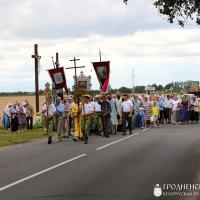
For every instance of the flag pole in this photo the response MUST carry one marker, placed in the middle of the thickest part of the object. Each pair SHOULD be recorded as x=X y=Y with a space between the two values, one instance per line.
x=100 y=54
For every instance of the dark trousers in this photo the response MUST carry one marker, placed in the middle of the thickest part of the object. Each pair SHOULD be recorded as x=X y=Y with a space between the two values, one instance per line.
x=194 y=116
x=162 y=116
x=29 y=121
x=168 y=112
x=71 y=124
x=14 y=124
x=138 y=121
x=126 y=118
x=106 y=124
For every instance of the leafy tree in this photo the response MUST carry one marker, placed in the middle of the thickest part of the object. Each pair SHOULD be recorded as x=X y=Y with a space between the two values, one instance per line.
x=124 y=90
x=140 y=89
x=180 y=10
x=160 y=88
x=168 y=86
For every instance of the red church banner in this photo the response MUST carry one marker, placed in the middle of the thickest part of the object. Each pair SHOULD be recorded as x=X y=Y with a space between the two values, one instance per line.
x=58 y=77
x=102 y=70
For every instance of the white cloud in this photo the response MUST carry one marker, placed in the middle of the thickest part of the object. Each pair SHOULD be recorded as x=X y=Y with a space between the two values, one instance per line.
x=133 y=35
x=155 y=60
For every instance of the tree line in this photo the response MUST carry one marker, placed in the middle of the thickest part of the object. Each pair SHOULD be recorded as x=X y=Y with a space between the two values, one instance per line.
x=170 y=87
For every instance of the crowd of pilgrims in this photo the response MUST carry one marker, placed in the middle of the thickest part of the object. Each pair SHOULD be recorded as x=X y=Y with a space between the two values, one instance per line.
x=79 y=117
x=18 y=116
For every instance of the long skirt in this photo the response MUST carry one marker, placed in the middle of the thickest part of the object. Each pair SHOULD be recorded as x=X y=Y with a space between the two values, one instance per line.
x=147 y=110
x=78 y=127
x=22 y=119
x=185 y=115
x=6 y=121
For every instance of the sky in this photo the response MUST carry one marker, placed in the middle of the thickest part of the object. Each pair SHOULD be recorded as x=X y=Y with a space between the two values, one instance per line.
x=134 y=37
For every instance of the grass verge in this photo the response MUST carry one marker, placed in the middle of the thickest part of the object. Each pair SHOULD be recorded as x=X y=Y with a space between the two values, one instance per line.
x=12 y=138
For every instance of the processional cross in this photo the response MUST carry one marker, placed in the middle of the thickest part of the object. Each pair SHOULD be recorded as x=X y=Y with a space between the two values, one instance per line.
x=75 y=68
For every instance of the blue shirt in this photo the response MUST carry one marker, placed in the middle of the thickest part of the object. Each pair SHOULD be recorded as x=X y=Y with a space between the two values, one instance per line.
x=60 y=108
x=161 y=104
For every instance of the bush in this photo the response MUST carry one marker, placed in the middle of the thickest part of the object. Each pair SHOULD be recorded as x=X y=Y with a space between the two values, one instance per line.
x=38 y=126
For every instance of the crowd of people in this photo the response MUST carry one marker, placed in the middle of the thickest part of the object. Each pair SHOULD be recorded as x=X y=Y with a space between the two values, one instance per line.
x=109 y=114
x=79 y=117
x=18 y=117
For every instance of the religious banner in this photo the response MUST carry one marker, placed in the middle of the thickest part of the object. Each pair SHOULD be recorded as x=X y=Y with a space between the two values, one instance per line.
x=58 y=78
x=102 y=70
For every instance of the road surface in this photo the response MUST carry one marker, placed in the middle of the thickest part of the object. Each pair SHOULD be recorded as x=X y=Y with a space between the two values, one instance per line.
x=115 y=168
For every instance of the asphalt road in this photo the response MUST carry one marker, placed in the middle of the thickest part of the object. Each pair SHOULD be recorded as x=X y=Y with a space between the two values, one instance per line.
x=115 y=168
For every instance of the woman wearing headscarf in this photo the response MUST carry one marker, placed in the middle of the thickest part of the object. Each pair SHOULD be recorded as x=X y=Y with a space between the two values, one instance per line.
x=147 y=110
x=22 y=117
x=14 y=117
x=185 y=107
x=6 y=117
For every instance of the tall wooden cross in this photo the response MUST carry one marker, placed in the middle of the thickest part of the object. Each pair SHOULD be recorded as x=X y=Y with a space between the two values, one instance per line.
x=37 y=60
x=75 y=67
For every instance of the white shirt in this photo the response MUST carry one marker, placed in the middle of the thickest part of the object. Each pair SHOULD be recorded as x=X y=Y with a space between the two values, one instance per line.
x=87 y=108
x=174 y=105
x=168 y=103
x=7 y=111
x=97 y=107
x=127 y=106
x=51 y=110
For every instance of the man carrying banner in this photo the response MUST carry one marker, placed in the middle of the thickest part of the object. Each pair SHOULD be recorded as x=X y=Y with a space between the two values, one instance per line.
x=106 y=110
x=48 y=111
x=87 y=112
x=60 y=109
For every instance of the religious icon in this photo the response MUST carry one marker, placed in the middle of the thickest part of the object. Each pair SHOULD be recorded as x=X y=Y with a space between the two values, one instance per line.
x=82 y=85
x=58 y=78
x=102 y=72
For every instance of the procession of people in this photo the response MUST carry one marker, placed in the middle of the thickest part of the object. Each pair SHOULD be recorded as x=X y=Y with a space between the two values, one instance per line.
x=103 y=115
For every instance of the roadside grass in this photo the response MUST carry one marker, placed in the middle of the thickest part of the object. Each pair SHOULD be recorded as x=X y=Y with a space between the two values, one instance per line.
x=12 y=138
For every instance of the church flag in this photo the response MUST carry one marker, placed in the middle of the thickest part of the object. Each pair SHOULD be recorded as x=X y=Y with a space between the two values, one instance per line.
x=58 y=78
x=102 y=70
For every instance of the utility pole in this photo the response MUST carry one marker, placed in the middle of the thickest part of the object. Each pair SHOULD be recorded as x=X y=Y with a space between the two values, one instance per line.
x=37 y=58
x=75 y=67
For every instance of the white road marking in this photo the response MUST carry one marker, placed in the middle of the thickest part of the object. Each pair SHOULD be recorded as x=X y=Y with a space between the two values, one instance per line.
x=39 y=173
x=146 y=129
x=107 y=145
